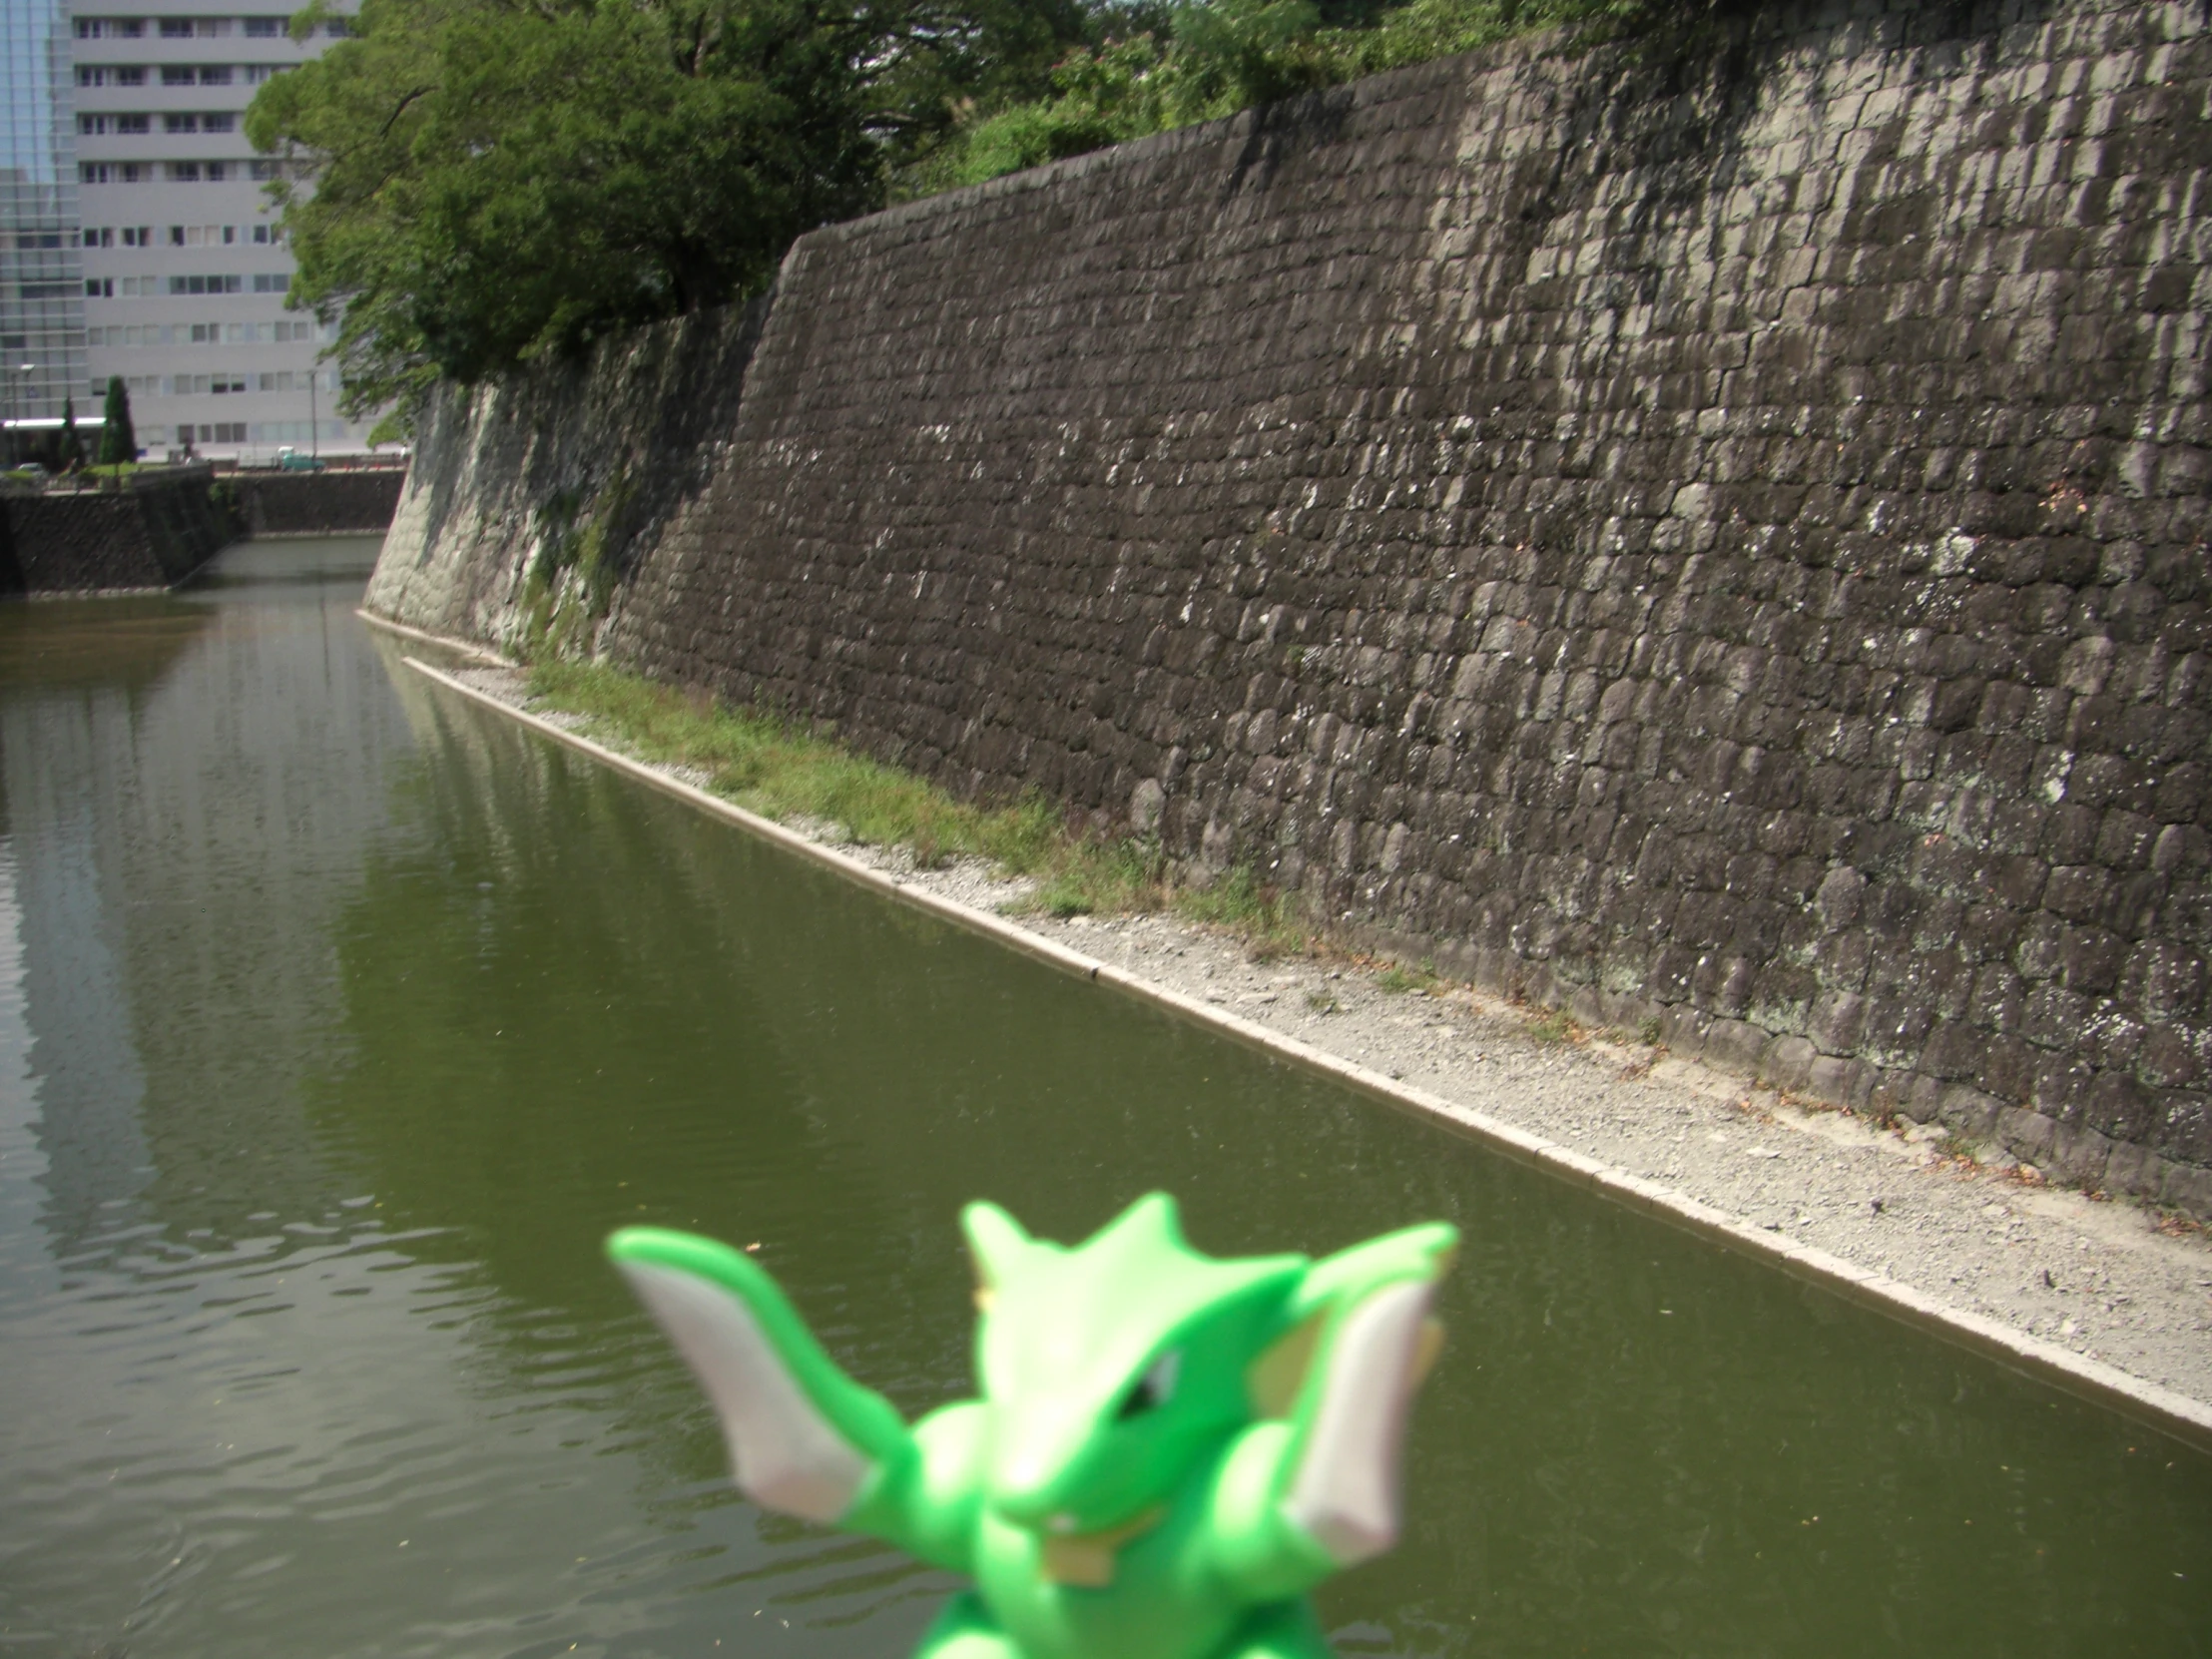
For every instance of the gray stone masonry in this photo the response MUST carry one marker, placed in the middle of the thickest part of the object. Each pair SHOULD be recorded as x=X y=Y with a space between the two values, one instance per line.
x=1714 y=536
x=331 y=503
x=155 y=531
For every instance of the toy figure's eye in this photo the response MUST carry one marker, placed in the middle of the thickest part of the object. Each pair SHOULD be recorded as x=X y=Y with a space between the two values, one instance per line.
x=1156 y=1387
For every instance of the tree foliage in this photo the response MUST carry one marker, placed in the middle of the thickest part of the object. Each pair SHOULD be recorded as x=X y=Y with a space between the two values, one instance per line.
x=494 y=181
x=73 y=441
x=1203 y=58
x=118 y=439
x=483 y=183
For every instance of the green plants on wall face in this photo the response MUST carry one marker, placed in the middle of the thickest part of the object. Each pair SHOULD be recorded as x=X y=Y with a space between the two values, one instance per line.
x=569 y=585
x=1198 y=62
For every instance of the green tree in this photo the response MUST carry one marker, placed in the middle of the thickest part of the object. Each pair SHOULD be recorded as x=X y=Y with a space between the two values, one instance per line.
x=118 y=441
x=73 y=446
x=496 y=182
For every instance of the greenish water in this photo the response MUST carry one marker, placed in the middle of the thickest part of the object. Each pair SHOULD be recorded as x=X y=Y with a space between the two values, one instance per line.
x=338 y=1022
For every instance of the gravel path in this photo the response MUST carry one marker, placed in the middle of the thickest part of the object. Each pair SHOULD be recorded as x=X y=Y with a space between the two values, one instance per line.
x=2098 y=1278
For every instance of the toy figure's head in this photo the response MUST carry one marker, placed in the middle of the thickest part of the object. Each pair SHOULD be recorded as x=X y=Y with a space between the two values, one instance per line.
x=1115 y=1367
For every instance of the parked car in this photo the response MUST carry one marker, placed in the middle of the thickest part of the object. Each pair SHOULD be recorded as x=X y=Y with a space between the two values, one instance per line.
x=290 y=461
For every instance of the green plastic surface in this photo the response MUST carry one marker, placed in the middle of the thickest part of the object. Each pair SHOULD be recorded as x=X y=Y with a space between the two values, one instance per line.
x=1118 y=1490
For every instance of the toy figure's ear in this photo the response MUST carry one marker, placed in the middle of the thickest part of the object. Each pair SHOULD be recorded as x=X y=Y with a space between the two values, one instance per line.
x=1376 y=1342
x=998 y=1244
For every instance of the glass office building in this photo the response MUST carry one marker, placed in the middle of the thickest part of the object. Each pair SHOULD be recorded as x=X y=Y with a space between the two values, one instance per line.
x=42 y=305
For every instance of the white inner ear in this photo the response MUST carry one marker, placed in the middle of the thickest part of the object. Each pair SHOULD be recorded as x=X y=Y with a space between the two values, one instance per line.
x=1346 y=1492
x=784 y=1453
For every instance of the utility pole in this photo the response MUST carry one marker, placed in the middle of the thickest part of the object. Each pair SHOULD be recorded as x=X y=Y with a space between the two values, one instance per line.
x=315 y=418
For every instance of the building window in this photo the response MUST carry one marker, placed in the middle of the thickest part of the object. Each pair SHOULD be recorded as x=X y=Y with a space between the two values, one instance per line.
x=183 y=173
x=98 y=126
x=178 y=75
x=204 y=285
x=215 y=172
x=102 y=237
x=214 y=75
x=110 y=28
x=138 y=236
x=267 y=282
x=264 y=28
x=268 y=235
x=45 y=291
x=257 y=73
x=109 y=75
x=176 y=27
x=98 y=287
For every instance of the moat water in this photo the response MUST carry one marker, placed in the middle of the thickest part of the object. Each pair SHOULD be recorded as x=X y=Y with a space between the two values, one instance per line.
x=339 y=1022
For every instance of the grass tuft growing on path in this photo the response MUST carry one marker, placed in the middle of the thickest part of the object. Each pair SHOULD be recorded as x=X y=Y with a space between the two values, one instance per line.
x=767 y=766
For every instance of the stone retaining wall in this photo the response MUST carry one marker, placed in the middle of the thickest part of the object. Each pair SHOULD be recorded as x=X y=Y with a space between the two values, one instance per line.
x=1716 y=539
x=153 y=533
x=333 y=503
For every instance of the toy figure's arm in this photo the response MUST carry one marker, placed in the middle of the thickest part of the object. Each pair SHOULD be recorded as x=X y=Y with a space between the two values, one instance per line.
x=1315 y=1488
x=931 y=1503
x=805 y=1439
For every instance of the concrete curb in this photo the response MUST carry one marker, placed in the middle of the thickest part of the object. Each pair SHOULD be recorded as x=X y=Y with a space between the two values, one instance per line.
x=2186 y=1419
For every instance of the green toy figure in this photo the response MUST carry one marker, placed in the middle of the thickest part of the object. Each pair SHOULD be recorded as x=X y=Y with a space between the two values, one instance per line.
x=1170 y=1451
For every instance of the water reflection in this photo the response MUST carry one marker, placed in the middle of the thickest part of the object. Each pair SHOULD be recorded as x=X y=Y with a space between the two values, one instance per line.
x=338 y=1021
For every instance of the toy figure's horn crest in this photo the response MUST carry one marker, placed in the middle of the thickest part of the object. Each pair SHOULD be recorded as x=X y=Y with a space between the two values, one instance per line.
x=1153 y=1216
x=996 y=1242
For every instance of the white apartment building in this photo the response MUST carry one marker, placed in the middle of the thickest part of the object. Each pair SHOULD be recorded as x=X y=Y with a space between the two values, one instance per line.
x=184 y=270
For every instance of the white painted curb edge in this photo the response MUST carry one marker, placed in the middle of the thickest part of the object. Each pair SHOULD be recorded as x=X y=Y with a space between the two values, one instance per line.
x=2177 y=1414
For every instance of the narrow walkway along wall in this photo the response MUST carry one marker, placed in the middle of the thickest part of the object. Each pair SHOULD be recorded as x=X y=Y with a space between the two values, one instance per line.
x=1717 y=540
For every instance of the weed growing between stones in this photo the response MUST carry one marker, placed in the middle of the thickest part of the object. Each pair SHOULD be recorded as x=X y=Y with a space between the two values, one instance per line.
x=770 y=766
x=767 y=766
x=1553 y=1026
x=1397 y=979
